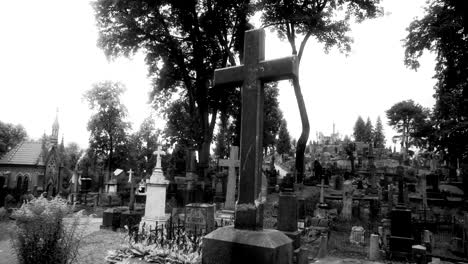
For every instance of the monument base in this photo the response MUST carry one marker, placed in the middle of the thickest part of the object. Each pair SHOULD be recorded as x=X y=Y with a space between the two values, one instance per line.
x=295 y=237
x=153 y=222
x=228 y=245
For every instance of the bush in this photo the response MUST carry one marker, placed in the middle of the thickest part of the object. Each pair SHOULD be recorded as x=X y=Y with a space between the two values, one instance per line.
x=42 y=236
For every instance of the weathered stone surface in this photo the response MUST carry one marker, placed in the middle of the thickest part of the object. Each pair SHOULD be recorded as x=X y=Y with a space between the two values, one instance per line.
x=232 y=163
x=229 y=245
x=252 y=74
x=199 y=217
x=287 y=212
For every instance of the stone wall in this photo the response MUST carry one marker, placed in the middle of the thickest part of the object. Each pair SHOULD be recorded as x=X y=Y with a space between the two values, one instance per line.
x=11 y=174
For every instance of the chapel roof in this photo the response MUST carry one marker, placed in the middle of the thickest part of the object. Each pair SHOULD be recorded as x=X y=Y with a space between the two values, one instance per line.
x=25 y=153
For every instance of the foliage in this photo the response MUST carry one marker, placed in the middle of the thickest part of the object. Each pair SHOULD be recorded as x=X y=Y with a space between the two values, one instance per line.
x=369 y=132
x=141 y=145
x=10 y=136
x=71 y=155
x=324 y=20
x=379 y=136
x=157 y=246
x=359 y=130
x=284 y=139
x=182 y=126
x=409 y=119
x=107 y=127
x=222 y=138
x=184 y=42
x=443 y=31
x=41 y=234
x=272 y=115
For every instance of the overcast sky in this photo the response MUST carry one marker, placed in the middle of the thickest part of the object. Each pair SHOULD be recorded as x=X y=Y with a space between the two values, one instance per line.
x=49 y=58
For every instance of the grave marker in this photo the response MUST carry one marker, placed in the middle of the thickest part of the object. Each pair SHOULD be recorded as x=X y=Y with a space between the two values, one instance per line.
x=232 y=163
x=155 y=213
x=248 y=242
x=199 y=218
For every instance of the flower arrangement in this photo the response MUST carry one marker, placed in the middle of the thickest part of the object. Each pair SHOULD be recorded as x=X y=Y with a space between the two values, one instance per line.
x=163 y=245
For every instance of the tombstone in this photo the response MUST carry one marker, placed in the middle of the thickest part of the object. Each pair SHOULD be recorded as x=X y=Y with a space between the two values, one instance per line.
x=348 y=191
x=247 y=241
x=338 y=183
x=232 y=163
x=191 y=176
x=287 y=183
x=401 y=231
x=287 y=217
x=155 y=207
x=199 y=218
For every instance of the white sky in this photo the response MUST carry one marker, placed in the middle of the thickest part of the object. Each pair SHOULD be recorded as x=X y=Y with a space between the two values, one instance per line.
x=49 y=58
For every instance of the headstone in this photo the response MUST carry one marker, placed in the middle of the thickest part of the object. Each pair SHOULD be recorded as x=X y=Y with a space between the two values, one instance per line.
x=287 y=217
x=323 y=247
x=191 y=176
x=374 y=250
x=247 y=241
x=155 y=207
x=232 y=163
x=199 y=218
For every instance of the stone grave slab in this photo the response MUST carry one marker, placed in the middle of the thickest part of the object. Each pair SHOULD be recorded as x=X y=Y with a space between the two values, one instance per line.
x=228 y=245
x=199 y=217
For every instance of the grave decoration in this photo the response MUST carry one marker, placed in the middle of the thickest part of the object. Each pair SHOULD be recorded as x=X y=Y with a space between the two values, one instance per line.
x=156 y=195
x=247 y=241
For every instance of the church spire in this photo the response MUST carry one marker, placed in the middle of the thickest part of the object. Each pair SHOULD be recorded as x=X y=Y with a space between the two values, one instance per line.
x=55 y=129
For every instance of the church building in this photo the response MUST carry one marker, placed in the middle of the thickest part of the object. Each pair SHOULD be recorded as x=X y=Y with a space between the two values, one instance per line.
x=33 y=167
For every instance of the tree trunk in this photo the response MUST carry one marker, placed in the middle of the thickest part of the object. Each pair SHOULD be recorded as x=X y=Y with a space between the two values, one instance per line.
x=302 y=142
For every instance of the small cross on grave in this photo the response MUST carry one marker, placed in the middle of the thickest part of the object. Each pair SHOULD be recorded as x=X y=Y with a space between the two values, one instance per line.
x=232 y=163
x=158 y=154
x=252 y=75
x=130 y=173
x=131 y=204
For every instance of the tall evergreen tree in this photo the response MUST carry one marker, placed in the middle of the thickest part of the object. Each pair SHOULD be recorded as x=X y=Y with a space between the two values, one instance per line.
x=379 y=136
x=369 y=132
x=284 y=139
x=359 y=130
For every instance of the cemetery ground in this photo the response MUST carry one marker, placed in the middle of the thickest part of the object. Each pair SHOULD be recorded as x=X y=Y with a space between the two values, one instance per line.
x=96 y=242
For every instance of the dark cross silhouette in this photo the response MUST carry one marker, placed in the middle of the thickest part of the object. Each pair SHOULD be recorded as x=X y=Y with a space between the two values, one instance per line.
x=252 y=75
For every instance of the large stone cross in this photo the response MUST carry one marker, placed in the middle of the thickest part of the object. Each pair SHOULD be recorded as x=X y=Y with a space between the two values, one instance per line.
x=252 y=75
x=158 y=154
x=232 y=163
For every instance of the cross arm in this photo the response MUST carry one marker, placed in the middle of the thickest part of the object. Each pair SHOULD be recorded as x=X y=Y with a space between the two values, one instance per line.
x=231 y=76
x=278 y=69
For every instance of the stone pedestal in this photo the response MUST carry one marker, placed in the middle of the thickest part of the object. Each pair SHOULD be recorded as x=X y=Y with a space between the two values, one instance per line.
x=155 y=214
x=229 y=245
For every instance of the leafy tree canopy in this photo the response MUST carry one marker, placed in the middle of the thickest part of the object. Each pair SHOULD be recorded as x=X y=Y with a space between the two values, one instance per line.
x=10 y=136
x=443 y=31
x=284 y=139
x=107 y=126
x=184 y=41
x=408 y=118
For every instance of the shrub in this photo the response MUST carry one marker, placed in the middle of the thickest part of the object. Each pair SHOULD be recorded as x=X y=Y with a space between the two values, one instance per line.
x=41 y=236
